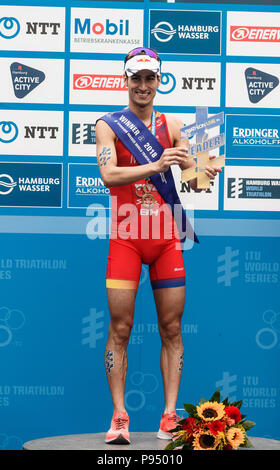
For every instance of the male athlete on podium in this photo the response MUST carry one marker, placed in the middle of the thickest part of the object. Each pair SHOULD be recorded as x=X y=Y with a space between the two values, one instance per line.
x=135 y=149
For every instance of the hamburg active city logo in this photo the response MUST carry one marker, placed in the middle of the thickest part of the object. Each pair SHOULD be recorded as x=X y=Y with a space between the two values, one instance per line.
x=259 y=84
x=9 y=27
x=25 y=79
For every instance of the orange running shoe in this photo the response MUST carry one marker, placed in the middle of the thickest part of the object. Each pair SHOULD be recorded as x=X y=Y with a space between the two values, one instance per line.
x=168 y=421
x=118 y=432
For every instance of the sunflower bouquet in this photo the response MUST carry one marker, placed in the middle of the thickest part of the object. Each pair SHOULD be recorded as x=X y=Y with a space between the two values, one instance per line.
x=212 y=425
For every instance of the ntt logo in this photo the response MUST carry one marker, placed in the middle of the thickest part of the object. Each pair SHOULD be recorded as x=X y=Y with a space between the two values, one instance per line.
x=8 y=131
x=9 y=27
x=163 y=31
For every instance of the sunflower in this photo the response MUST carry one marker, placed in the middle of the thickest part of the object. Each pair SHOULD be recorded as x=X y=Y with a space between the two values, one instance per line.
x=210 y=410
x=235 y=437
x=205 y=440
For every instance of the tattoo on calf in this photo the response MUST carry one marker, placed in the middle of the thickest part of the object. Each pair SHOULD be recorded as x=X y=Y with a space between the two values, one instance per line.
x=109 y=360
x=105 y=156
x=181 y=362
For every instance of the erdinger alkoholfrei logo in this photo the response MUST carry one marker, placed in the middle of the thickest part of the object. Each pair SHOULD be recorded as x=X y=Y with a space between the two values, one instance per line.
x=25 y=79
x=9 y=27
x=7 y=184
x=8 y=131
x=259 y=84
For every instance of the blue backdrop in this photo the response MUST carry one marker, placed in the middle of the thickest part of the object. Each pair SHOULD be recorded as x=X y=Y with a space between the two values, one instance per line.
x=56 y=60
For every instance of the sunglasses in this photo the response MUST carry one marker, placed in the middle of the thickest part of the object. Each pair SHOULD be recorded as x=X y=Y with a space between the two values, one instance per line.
x=148 y=51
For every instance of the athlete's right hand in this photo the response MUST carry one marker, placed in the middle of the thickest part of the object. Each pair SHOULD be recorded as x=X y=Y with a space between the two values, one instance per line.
x=171 y=156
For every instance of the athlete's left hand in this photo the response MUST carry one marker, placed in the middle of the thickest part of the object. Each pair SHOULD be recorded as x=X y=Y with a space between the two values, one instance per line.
x=211 y=171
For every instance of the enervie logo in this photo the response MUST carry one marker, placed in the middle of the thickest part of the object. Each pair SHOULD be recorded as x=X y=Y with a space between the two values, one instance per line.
x=98 y=82
x=255 y=33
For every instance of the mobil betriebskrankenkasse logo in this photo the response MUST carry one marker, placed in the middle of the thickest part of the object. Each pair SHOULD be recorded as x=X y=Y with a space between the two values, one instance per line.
x=106 y=30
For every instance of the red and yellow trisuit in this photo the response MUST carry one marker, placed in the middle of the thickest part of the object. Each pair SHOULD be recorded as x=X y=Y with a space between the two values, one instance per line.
x=143 y=229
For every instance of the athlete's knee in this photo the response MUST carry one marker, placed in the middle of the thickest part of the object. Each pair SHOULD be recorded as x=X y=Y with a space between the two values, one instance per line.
x=120 y=332
x=170 y=330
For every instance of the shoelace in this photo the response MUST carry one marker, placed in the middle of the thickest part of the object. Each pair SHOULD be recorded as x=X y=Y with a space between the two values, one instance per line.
x=119 y=422
x=173 y=418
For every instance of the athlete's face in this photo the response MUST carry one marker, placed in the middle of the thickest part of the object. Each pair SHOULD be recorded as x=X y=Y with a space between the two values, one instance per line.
x=142 y=87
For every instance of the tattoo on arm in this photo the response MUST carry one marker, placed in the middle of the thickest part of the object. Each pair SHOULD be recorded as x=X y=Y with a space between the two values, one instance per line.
x=105 y=156
x=109 y=361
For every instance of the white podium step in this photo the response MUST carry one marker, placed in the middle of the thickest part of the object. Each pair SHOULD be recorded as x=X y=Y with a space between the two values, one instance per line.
x=139 y=441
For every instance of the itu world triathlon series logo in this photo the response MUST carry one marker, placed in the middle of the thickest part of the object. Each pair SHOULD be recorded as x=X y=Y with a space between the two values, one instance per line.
x=9 y=27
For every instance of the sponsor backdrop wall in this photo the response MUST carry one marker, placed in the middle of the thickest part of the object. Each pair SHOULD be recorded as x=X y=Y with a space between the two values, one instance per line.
x=61 y=68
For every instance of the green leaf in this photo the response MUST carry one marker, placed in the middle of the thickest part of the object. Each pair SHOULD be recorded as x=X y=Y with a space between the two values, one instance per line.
x=190 y=409
x=237 y=404
x=216 y=396
x=181 y=422
x=201 y=401
x=247 y=424
x=225 y=401
x=178 y=428
x=248 y=444
x=172 y=445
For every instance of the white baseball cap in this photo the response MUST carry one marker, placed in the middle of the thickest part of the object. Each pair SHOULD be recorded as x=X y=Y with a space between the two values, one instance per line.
x=141 y=62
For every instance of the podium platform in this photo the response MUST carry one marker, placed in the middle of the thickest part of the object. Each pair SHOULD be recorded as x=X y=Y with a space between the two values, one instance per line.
x=139 y=441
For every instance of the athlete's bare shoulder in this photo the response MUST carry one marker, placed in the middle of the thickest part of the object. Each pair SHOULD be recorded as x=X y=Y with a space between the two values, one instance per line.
x=103 y=130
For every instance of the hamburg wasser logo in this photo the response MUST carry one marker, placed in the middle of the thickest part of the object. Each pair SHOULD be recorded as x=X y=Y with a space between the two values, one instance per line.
x=25 y=79
x=185 y=31
x=163 y=31
x=30 y=184
x=259 y=84
x=7 y=184
x=9 y=27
